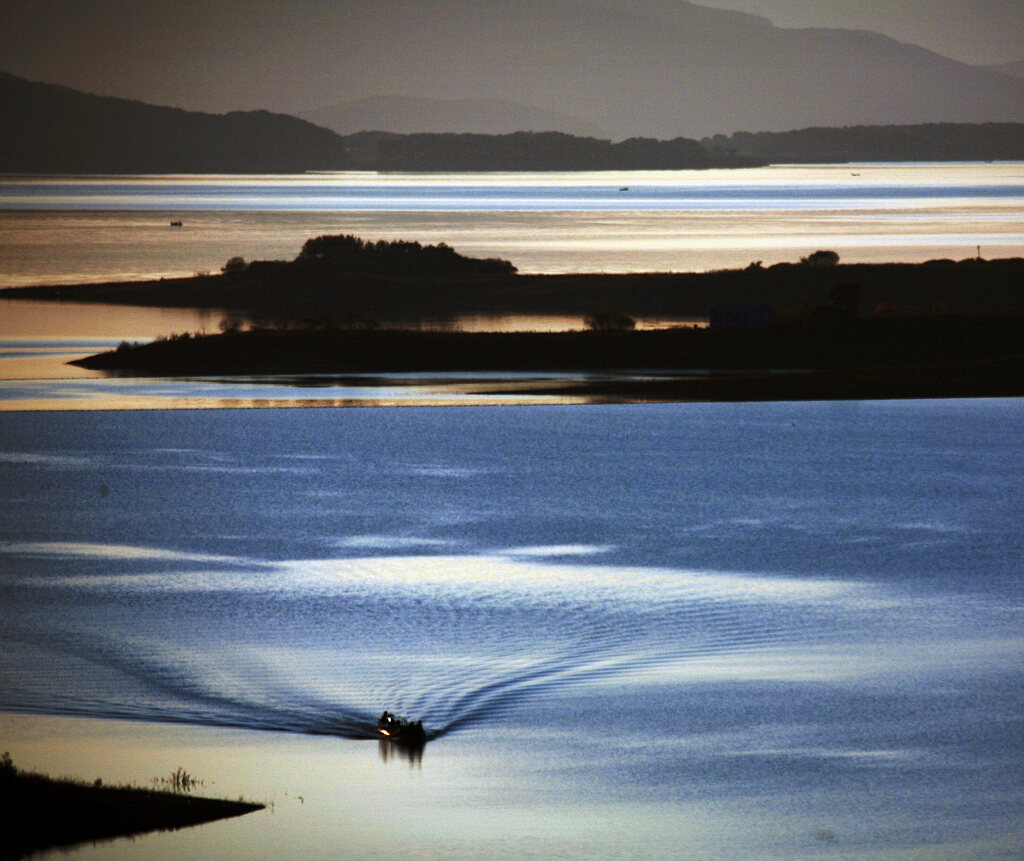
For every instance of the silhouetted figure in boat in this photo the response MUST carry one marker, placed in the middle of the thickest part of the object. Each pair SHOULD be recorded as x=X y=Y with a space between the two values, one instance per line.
x=398 y=729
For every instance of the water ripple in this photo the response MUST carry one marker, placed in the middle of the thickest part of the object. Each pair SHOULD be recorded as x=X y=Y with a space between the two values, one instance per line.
x=456 y=641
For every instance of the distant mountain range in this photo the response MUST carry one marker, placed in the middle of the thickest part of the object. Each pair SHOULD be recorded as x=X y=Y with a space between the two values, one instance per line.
x=50 y=129
x=661 y=69
x=606 y=68
x=674 y=69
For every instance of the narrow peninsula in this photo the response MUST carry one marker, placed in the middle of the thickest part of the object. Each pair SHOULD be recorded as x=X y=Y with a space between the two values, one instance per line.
x=43 y=813
x=814 y=329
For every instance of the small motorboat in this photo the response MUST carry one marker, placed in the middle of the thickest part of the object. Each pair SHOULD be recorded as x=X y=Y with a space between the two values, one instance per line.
x=398 y=729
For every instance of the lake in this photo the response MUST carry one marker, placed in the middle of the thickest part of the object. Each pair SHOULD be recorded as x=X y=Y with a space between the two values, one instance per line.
x=61 y=230
x=694 y=631
x=676 y=631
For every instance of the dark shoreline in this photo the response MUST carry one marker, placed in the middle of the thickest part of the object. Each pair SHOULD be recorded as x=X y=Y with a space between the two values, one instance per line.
x=44 y=813
x=997 y=378
x=940 y=357
x=789 y=331
x=283 y=291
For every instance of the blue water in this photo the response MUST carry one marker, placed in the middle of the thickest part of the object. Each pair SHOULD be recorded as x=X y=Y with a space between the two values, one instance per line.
x=811 y=611
x=768 y=631
x=300 y=570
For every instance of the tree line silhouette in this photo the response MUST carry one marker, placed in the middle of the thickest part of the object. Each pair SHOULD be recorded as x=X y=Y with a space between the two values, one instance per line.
x=924 y=142
x=540 y=151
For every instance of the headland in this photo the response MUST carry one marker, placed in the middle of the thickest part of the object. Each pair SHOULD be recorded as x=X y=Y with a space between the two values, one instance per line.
x=814 y=329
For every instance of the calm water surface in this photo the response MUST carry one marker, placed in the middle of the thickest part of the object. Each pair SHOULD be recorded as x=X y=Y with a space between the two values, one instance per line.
x=697 y=631
x=733 y=631
x=60 y=230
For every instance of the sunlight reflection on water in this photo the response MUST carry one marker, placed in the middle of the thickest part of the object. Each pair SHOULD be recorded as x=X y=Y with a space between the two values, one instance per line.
x=39 y=339
x=626 y=626
x=730 y=631
x=62 y=230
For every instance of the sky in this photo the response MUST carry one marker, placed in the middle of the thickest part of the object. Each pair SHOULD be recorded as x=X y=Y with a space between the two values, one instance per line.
x=214 y=55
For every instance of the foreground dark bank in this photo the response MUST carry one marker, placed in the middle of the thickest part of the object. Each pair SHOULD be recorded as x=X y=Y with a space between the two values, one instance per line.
x=41 y=813
x=909 y=357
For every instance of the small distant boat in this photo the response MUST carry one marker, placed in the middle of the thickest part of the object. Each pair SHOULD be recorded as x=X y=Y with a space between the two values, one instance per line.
x=624 y=188
x=175 y=224
x=399 y=729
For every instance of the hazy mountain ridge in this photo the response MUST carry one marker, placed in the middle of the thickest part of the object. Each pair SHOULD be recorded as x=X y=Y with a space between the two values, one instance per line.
x=644 y=68
x=58 y=130
x=51 y=129
x=668 y=71
x=692 y=14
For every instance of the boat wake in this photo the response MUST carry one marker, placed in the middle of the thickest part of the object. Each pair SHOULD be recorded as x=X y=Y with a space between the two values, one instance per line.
x=460 y=650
